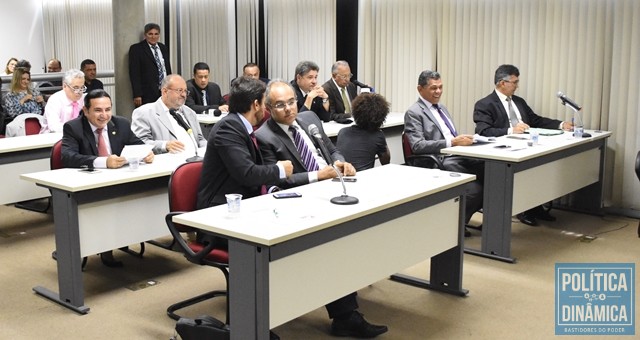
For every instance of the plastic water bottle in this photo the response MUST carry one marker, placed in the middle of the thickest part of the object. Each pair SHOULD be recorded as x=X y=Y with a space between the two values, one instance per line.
x=578 y=131
x=535 y=136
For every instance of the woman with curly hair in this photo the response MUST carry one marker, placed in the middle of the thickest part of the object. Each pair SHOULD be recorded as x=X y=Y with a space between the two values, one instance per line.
x=360 y=143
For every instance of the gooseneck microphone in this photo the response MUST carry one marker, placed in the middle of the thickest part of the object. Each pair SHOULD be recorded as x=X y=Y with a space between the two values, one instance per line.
x=568 y=101
x=343 y=199
x=183 y=123
x=358 y=83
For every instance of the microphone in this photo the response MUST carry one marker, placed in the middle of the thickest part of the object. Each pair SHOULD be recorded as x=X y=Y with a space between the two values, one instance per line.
x=358 y=83
x=566 y=100
x=217 y=112
x=343 y=199
x=183 y=123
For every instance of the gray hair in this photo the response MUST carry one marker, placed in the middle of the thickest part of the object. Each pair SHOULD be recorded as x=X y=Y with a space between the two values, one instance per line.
x=424 y=77
x=304 y=67
x=73 y=74
x=267 y=94
x=334 y=68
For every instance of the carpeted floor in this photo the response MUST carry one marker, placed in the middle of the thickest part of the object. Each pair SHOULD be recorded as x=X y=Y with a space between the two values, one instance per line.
x=506 y=301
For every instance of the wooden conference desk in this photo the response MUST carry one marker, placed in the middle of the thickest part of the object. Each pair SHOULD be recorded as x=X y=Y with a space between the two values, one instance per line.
x=522 y=177
x=392 y=127
x=19 y=155
x=103 y=210
x=285 y=255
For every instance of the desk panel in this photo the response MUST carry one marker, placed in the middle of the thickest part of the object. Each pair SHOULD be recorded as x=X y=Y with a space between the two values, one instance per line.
x=13 y=189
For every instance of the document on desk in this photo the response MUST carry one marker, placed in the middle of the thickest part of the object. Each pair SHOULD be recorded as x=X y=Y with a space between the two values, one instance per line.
x=139 y=151
x=477 y=139
x=546 y=132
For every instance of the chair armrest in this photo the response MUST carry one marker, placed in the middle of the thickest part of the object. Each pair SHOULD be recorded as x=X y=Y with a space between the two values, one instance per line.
x=435 y=162
x=189 y=253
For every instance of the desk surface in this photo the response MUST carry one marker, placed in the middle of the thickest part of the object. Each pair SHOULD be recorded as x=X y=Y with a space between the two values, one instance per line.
x=268 y=221
x=519 y=151
x=75 y=180
x=22 y=143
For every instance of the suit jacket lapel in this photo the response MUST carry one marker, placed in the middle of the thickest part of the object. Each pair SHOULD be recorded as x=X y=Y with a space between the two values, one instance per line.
x=164 y=119
x=502 y=112
x=429 y=115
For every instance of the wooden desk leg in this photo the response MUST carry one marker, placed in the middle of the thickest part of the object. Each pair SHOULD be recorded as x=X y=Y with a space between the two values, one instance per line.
x=69 y=260
x=497 y=210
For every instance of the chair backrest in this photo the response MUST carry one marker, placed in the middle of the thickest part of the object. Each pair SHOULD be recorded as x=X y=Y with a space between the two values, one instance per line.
x=406 y=148
x=638 y=166
x=32 y=126
x=183 y=187
x=55 y=160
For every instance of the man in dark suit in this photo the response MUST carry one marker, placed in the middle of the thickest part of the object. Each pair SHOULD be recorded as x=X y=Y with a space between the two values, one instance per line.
x=429 y=128
x=95 y=139
x=203 y=94
x=148 y=65
x=233 y=163
x=501 y=113
x=277 y=140
x=252 y=70
x=341 y=91
x=310 y=95
x=88 y=67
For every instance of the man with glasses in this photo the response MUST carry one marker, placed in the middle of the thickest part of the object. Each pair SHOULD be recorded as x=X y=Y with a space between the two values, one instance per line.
x=284 y=136
x=65 y=104
x=341 y=91
x=310 y=95
x=168 y=124
x=501 y=113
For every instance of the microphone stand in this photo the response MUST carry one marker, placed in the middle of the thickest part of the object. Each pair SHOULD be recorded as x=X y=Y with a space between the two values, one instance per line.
x=578 y=117
x=187 y=128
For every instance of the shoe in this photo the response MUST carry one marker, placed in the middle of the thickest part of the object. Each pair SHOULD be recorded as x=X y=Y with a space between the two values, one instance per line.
x=356 y=326
x=109 y=261
x=544 y=215
x=527 y=219
x=273 y=336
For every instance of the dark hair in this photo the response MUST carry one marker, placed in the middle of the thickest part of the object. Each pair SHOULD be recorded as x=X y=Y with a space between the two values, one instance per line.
x=504 y=72
x=200 y=66
x=97 y=93
x=304 y=67
x=244 y=91
x=370 y=111
x=24 y=64
x=86 y=62
x=249 y=65
x=423 y=78
x=148 y=27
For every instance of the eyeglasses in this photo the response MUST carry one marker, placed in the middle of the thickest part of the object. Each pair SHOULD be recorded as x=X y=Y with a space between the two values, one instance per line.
x=345 y=76
x=77 y=90
x=180 y=91
x=282 y=105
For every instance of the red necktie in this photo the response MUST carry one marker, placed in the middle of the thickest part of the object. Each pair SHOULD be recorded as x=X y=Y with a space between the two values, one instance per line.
x=102 y=146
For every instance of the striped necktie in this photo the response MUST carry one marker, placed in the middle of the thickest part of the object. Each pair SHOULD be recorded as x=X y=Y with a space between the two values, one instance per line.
x=306 y=155
x=158 y=63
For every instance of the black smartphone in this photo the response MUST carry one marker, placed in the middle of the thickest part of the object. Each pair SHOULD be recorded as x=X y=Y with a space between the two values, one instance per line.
x=287 y=194
x=502 y=146
x=346 y=179
x=89 y=170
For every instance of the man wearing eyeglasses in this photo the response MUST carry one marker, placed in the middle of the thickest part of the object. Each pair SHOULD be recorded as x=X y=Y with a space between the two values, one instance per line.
x=341 y=91
x=65 y=104
x=310 y=95
x=168 y=124
x=284 y=136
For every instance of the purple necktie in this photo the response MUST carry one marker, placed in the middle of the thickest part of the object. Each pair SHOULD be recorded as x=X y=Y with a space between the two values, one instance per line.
x=445 y=119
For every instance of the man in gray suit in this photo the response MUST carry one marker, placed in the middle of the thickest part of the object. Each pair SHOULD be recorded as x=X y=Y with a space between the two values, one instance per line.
x=168 y=124
x=283 y=137
x=429 y=128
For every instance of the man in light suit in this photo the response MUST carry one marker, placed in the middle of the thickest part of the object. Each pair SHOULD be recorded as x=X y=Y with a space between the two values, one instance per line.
x=80 y=142
x=429 y=128
x=148 y=65
x=493 y=117
x=203 y=94
x=168 y=124
x=339 y=104
x=277 y=141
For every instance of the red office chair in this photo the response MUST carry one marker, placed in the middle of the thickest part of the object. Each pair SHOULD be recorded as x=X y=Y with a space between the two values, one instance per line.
x=32 y=126
x=183 y=192
x=422 y=160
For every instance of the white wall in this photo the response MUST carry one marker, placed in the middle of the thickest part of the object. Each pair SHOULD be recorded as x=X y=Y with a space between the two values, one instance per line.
x=22 y=33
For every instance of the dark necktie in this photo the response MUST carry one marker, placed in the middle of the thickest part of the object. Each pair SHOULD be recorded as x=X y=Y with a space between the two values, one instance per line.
x=156 y=56
x=512 y=113
x=102 y=146
x=263 y=188
x=306 y=155
x=445 y=119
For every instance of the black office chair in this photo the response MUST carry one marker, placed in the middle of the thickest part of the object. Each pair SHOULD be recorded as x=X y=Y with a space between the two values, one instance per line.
x=421 y=160
x=638 y=175
x=183 y=191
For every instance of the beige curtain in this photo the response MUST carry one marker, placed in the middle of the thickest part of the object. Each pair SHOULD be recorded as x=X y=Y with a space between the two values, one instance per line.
x=588 y=49
x=300 y=30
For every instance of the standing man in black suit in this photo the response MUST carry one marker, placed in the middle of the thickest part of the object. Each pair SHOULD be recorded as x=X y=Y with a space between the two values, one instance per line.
x=284 y=136
x=95 y=139
x=341 y=91
x=310 y=95
x=501 y=113
x=148 y=65
x=203 y=94
x=233 y=163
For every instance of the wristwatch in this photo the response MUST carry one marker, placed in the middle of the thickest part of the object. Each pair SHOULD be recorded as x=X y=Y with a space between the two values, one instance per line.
x=325 y=100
